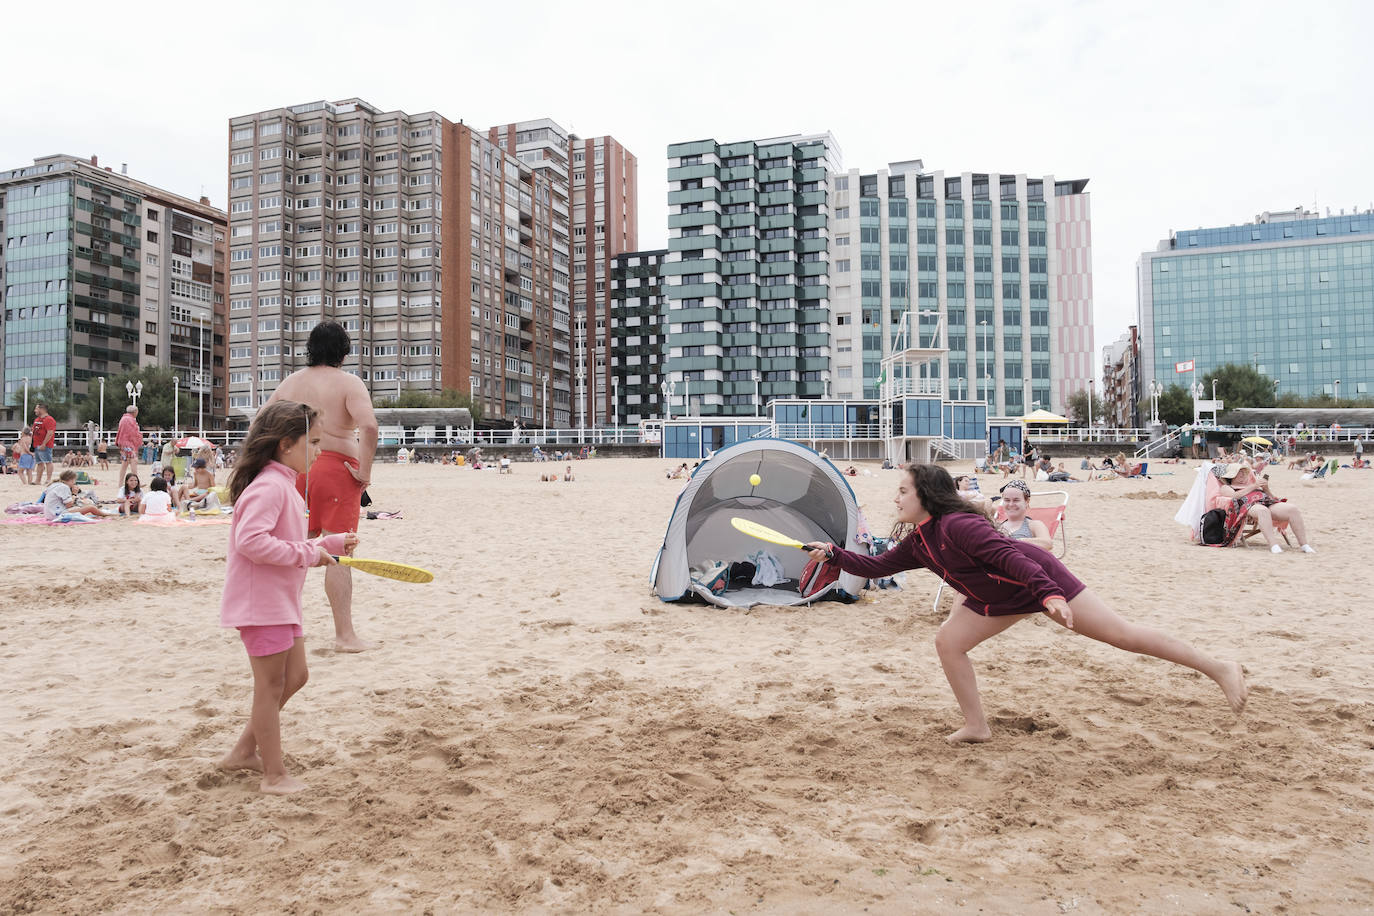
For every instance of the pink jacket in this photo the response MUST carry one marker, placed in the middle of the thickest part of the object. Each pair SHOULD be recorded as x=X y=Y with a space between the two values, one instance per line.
x=129 y=435
x=269 y=553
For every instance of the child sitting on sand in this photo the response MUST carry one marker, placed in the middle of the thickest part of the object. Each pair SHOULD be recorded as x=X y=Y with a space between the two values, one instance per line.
x=158 y=502
x=268 y=556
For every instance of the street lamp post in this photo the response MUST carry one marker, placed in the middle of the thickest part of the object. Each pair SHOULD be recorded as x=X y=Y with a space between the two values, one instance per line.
x=134 y=389
x=581 y=398
x=1090 y=410
x=615 y=402
x=1156 y=389
x=545 y=400
x=1197 y=393
x=667 y=386
x=961 y=387
x=1337 y=399
x=102 y=407
x=686 y=396
x=758 y=405
x=25 y=419
x=200 y=374
x=176 y=405
x=984 y=356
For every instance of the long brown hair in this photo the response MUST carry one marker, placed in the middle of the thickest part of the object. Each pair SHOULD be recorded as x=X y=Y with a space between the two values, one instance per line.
x=938 y=495
x=277 y=422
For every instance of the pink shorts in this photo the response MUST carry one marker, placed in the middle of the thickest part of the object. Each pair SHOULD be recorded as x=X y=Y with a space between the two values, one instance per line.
x=270 y=640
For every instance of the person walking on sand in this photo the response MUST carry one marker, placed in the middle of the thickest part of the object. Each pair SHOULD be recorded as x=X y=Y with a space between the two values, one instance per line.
x=23 y=455
x=128 y=439
x=44 y=435
x=264 y=575
x=334 y=487
x=1002 y=581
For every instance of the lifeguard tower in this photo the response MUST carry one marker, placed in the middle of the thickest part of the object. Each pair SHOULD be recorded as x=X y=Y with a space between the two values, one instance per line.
x=917 y=419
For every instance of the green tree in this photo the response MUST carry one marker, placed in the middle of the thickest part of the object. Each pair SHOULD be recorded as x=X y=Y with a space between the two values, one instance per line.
x=1175 y=406
x=52 y=394
x=1078 y=407
x=449 y=397
x=1239 y=385
x=154 y=404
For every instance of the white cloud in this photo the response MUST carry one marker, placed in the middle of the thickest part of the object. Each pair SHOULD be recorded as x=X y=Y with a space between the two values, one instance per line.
x=1179 y=114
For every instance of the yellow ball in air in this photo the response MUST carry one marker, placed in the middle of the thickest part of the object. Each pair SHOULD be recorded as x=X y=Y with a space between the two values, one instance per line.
x=755 y=480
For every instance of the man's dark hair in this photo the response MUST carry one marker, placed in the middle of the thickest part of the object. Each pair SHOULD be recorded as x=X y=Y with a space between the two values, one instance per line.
x=328 y=345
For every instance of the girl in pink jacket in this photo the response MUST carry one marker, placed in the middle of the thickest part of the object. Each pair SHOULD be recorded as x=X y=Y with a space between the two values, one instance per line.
x=268 y=557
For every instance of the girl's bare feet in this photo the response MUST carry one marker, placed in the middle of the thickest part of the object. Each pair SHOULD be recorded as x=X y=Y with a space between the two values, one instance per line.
x=1232 y=681
x=281 y=785
x=970 y=735
x=234 y=761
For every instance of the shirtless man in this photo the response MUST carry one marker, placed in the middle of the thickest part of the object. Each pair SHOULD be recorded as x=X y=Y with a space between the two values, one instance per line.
x=334 y=485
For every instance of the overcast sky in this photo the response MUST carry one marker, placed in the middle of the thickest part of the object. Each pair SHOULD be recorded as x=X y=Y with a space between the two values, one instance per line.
x=1179 y=114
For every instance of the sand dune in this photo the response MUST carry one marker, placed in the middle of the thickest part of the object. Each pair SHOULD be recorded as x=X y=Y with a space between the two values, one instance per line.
x=538 y=732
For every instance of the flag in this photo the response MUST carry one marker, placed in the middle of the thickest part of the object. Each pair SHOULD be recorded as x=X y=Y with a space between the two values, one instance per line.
x=1185 y=366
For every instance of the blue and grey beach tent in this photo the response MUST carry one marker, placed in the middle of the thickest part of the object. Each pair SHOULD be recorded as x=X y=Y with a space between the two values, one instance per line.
x=799 y=493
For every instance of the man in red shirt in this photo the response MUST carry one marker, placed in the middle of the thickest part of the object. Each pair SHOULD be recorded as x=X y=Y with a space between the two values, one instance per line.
x=129 y=438
x=44 y=434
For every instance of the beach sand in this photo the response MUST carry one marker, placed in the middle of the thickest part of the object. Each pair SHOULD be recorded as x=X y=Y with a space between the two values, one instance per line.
x=539 y=732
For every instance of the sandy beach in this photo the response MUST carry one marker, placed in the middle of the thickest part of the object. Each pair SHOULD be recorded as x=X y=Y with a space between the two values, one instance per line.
x=538 y=732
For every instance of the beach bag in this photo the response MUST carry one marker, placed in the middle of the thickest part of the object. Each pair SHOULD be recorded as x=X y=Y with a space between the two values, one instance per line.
x=1213 y=526
x=713 y=575
x=817 y=576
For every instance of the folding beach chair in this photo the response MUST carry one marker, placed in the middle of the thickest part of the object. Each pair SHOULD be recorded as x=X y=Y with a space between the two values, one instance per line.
x=1140 y=470
x=1051 y=515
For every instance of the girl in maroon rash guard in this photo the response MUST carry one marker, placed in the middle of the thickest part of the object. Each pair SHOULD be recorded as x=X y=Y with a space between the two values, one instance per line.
x=1003 y=581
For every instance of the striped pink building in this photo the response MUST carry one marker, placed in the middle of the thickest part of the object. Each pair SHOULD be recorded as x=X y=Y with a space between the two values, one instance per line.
x=1073 y=357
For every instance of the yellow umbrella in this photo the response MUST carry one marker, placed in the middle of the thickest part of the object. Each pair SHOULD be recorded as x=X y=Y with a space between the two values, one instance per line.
x=1257 y=440
x=1043 y=416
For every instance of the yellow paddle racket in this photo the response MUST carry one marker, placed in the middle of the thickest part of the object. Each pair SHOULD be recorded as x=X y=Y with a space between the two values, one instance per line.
x=764 y=533
x=401 y=572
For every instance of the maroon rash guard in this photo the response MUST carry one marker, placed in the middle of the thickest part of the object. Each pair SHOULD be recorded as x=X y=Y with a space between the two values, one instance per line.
x=996 y=575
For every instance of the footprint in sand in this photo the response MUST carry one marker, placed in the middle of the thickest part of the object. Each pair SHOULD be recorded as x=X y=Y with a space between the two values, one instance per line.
x=695 y=780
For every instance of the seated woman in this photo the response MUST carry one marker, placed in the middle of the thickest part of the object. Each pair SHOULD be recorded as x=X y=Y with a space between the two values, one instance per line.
x=1243 y=496
x=1018 y=526
x=964 y=484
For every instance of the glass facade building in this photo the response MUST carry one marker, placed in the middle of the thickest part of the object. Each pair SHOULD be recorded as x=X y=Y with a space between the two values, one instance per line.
x=103 y=274
x=746 y=280
x=996 y=267
x=1291 y=294
x=37 y=263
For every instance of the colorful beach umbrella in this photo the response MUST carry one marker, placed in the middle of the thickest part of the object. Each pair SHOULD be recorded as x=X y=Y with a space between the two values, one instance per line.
x=193 y=443
x=1257 y=440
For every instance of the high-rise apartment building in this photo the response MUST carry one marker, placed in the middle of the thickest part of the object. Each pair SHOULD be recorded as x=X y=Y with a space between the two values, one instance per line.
x=542 y=145
x=1291 y=294
x=996 y=267
x=605 y=183
x=637 y=336
x=747 y=274
x=104 y=273
x=443 y=249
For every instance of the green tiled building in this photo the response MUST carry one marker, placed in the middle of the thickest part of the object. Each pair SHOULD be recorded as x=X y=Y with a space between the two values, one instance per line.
x=746 y=280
